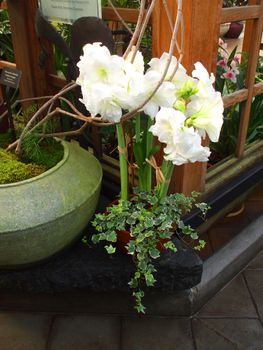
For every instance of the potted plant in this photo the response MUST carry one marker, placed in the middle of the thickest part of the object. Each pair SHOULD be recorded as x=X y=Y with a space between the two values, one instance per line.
x=158 y=102
x=235 y=28
x=179 y=113
x=45 y=202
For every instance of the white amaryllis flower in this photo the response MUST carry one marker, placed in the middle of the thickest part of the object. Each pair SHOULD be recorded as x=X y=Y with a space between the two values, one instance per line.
x=138 y=63
x=186 y=148
x=101 y=99
x=183 y=144
x=133 y=93
x=159 y=64
x=167 y=121
x=205 y=109
x=204 y=81
x=164 y=97
x=97 y=65
x=206 y=114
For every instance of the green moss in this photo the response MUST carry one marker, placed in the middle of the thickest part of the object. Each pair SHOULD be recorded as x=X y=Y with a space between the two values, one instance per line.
x=13 y=169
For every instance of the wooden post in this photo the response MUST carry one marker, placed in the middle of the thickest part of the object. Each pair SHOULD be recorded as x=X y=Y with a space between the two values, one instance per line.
x=252 y=45
x=202 y=23
x=26 y=47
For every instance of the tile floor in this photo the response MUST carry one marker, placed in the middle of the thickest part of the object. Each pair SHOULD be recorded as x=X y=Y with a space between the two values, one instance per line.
x=233 y=319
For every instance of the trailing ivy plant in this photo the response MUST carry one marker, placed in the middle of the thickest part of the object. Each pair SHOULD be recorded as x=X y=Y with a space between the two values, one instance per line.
x=150 y=222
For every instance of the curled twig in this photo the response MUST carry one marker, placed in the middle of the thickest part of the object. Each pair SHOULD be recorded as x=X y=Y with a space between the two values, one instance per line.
x=137 y=29
x=67 y=88
x=120 y=18
x=170 y=54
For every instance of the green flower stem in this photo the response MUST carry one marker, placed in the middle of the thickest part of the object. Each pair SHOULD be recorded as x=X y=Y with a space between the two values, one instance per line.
x=149 y=146
x=123 y=162
x=167 y=169
x=138 y=128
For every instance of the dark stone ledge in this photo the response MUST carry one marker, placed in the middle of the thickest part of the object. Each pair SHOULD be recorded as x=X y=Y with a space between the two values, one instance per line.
x=92 y=269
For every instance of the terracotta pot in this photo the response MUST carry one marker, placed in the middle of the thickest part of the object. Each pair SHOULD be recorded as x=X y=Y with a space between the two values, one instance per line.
x=124 y=237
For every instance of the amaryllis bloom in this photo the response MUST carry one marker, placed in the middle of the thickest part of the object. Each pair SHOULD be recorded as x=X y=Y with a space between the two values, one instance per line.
x=183 y=144
x=158 y=65
x=167 y=121
x=204 y=80
x=187 y=147
x=97 y=65
x=164 y=97
x=109 y=84
x=133 y=91
x=100 y=99
x=206 y=115
x=138 y=63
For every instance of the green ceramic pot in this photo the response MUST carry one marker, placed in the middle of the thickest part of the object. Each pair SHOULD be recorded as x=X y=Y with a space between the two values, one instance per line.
x=43 y=215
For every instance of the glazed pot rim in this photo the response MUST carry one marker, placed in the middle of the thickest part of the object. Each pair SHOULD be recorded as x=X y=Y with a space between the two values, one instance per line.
x=47 y=172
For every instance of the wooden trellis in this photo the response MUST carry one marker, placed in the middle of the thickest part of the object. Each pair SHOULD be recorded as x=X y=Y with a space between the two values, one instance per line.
x=202 y=23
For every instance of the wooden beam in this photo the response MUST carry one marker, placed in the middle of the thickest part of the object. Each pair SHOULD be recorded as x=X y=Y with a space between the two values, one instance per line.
x=202 y=22
x=235 y=97
x=250 y=79
x=241 y=95
x=26 y=47
x=258 y=89
x=236 y=14
x=130 y=15
x=248 y=30
x=6 y=64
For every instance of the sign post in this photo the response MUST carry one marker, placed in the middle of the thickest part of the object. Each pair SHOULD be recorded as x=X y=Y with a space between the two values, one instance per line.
x=67 y=11
x=10 y=79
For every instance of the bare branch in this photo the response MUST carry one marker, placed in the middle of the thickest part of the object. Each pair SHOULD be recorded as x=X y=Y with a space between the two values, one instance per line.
x=143 y=28
x=170 y=54
x=65 y=133
x=137 y=29
x=69 y=87
x=120 y=18
x=25 y=100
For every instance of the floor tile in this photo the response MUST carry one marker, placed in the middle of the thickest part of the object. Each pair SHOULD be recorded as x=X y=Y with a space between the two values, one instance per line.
x=256 y=263
x=85 y=333
x=255 y=282
x=232 y=301
x=228 y=334
x=156 y=334
x=23 y=331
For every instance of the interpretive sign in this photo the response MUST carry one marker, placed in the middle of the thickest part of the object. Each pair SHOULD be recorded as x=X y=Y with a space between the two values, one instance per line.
x=67 y=11
x=10 y=77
